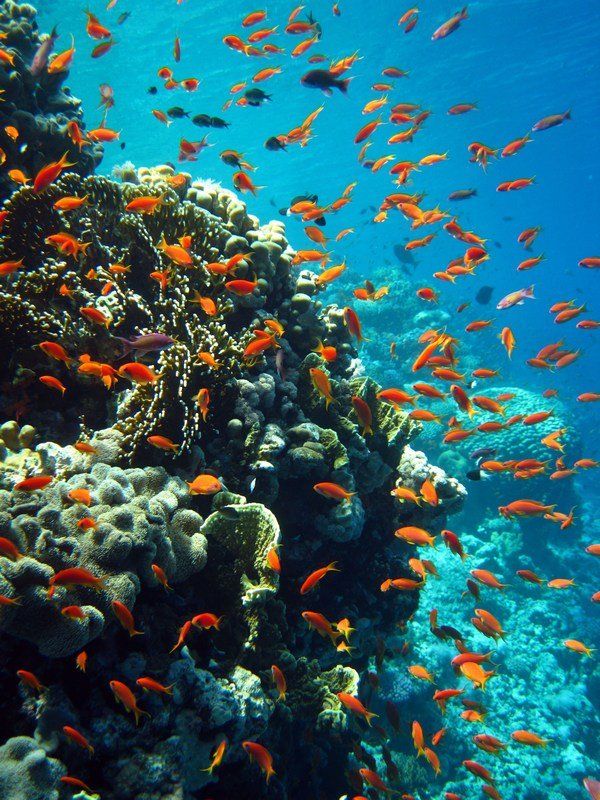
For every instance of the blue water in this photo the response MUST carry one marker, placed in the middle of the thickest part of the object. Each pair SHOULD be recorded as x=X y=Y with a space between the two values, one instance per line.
x=519 y=60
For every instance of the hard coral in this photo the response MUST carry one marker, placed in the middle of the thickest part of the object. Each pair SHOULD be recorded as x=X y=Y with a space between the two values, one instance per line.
x=35 y=102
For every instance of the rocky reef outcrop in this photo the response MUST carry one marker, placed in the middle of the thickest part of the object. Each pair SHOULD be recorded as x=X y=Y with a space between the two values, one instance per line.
x=36 y=106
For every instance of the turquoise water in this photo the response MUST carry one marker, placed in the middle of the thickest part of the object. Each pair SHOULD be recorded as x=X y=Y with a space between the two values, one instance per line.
x=518 y=61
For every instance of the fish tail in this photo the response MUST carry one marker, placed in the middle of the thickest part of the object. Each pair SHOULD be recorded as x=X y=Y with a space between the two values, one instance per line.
x=138 y=712
x=369 y=716
x=343 y=86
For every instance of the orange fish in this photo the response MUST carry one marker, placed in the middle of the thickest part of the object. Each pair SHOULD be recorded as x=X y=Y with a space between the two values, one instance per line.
x=217 y=757
x=161 y=577
x=33 y=484
x=78 y=738
x=125 y=696
x=333 y=491
x=205 y=484
x=138 y=373
x=316 y=576
x=53 y=383
x=31 y=680
x=279 y=681
x=80 y=496
x=261 y=755
x=74 y=576
x=354 y=705
x=125 y=617
x=163 y=443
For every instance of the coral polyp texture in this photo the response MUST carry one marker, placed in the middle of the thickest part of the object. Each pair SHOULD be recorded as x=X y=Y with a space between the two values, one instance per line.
x=162 y=342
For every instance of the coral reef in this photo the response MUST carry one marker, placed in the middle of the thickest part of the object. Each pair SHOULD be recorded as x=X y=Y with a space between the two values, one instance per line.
x=35 y=101
x=266 y=438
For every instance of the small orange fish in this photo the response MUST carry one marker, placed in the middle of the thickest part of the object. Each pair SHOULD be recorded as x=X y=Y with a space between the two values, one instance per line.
x=316 y=576
x=31 y=680
x=78 y=738
x=279 y=681
x=163 y=443
x=217 y=757
x=125 y=617
x=261 y=755
x=150 y=685
x=354 y=705
x=205 y=485
x=125 y=696
x=80 y=496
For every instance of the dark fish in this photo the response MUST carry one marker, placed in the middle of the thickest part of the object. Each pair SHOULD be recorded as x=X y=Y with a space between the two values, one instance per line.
x=318 y=31
x=146 y=343
x=482 y=452
x=279 y=359
x=40 y=59
x=256 y=97
x=273 y=143
x=230 y=513
x=324 y=80
x=404 y=256
x=474 y=475
x=393 y=715
x=152 y=90
x=177 y=112
x=231 y=159
x=484 y=295
x=451 y=632
x=551 y=121
x=473 y=588
x=462 y=194
x=123 y=17
x=201 y=120
x=217 y=122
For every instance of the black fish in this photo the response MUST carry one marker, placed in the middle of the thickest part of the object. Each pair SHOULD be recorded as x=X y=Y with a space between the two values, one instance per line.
x=484 y=295
x=201 y=120
x=450 y=632
x=324 y=80
x=217 y=122
x=230 y=512
x=474 y=475
x=152 y=90
x=256 y=97
x=177 y=112
x=273 y=143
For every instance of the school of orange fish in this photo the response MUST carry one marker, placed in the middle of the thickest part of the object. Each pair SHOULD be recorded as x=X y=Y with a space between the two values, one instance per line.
x=436 y=353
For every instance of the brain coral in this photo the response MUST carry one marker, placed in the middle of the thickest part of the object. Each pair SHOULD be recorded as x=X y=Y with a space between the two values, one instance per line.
x=142 y=517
